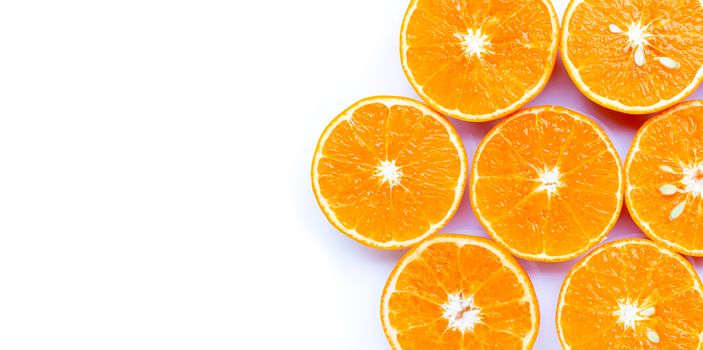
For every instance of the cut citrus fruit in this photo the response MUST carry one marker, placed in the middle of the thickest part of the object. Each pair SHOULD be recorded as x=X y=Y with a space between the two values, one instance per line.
x=634 y=56
x=631 y=294
x=478 y=60
x=389 y=171
x=546 y=183
x=459 y=292
x=664 y=178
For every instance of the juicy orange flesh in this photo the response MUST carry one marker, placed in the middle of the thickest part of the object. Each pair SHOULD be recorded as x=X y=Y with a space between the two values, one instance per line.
x=529 y=220
x=520 y=35
x=415 y=307
x=670 y=141
x=638 y=273
x=606 y=62
x=421 y=148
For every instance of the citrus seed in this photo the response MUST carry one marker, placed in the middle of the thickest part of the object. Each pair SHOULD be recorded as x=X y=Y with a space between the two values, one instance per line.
x=668 y=189
x=676 y=212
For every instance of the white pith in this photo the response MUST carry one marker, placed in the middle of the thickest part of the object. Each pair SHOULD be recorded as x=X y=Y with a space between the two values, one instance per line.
x=461 y=313
x=637 y=38
x=507 y=262
x=389 y=173
x=649 y=333
x=616 y=104
x=389 y=101
x=629 y=313
x=550 y=180
x=637 y=35
x=456 y=113
x=693 y=179
x=474 y=43
x=543 y=256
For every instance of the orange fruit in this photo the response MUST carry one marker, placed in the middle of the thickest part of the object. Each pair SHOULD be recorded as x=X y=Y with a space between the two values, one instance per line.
x=634 y=56
x=664 y=178
x=459 y=292
x=631 y=294
x=546 y=183
x=389 y=171
x=478 y=60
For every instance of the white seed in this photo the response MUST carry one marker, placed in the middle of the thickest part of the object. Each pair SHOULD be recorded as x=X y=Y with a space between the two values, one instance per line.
x=639 y=56
x=676 y=212
x=614 y=29
x=668 y=62
x=666 y=168
x=652 y=335
x=648 y=311
x=668 y=189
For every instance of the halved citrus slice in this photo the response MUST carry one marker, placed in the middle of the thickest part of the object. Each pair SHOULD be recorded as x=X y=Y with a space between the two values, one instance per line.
x=478 y=60
x=664 y=178
x=631 y=294
x=389 y=171
x=634 y=56
x=547 y=183
x=459 y=292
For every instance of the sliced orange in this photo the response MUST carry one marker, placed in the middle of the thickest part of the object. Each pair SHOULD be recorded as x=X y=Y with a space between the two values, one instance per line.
x=389 y=171
x=664 y=176
x=459 y=292
x=547 y=184
x=478 y=60
x=634 y=56
x=631 y=294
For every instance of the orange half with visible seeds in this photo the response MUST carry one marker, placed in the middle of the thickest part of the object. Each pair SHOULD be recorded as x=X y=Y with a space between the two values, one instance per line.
x=389 y=171
x=631 y=294
x=635 y=56
x=478 y=60
x=547 y=183
x=459 y=292
x=664 y=178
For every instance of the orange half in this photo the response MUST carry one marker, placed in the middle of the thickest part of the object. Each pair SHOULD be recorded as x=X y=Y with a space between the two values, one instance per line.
x=636 y=56
x=547 y=183
x=631 y=294
x=478 y=60
x=389 y=171
x=459 y=292
x=664 y=174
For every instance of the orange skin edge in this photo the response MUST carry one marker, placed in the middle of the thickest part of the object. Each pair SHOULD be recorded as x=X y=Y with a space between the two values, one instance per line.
x=463 y=237
x=628 y=160
x=634 y=110
x=621 y=187
x=318 y=148
x=562 y=289
x=541 y=85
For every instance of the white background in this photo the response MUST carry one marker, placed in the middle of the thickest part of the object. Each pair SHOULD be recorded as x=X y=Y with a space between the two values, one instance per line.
x=154 y=174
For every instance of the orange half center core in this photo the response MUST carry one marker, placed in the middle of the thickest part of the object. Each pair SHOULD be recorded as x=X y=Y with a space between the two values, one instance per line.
x=631 y=315
x=388 y=172
x=693 y=180
x=461 y=313
x=474 y=43
x=638 y=36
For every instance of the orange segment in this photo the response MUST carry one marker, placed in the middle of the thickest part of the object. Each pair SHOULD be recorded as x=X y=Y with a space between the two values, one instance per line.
x=389 y=171
x=547 y=184
x=478 y=61
x=631 y=294
x=634 y=56
x=664 y=175
x=459 y=292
